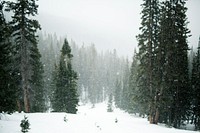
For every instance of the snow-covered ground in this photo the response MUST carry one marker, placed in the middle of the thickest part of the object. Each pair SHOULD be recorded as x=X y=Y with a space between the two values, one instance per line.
x=87 y=120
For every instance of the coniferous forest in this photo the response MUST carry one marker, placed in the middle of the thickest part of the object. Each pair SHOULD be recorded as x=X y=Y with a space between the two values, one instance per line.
x=42 y=72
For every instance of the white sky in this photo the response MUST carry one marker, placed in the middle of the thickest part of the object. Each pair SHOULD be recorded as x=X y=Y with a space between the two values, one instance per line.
x=109 y=24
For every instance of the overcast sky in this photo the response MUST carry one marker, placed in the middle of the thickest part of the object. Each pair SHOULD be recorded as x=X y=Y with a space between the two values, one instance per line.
x=109 y=24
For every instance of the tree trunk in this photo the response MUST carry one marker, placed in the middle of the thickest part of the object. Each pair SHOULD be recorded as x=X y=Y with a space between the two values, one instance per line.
x=151 y=115
x=19 y=106
x=26 y=100
x=151 y=119
x=154 y=112
x=156 y=116
x=25 y=70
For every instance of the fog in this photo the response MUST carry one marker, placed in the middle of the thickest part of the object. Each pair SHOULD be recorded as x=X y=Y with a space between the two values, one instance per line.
x=109 y=24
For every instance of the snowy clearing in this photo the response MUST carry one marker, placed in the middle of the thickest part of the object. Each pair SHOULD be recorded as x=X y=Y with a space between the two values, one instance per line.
x=87 y=120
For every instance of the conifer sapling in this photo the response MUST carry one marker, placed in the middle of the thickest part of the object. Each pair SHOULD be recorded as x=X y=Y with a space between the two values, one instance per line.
x=25 y=125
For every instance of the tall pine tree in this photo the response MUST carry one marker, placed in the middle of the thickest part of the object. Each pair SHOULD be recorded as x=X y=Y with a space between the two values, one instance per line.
x=24 y=34
x=196 y=89
x=174 y=34
x=147 y=43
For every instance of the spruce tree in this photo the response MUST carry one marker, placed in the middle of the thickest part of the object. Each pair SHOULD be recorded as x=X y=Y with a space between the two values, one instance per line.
x=24 y=29
x=65 y=95
x=163 y=97
x=182 y=91
x=175 y=75
x=25 y=125
x=196 y=89
x=7 y=87
x=148 y=43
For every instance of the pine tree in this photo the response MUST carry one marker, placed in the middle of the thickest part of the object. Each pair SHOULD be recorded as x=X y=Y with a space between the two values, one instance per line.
x=65 y=95
x=7 y=85
x=174 y=69
x=182 y=90
x=162 y=96
x=148 y=43
x=196 y=89
x=25 y=125
x=24 y=29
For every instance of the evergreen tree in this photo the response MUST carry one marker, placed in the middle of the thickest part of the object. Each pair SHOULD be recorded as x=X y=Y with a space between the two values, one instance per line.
x=25 y=125
x=7 y=88
x=24 y=29
x=163 y=95
x=148 y=43
x=175 y=69
x=196 y=89
x=65 y=95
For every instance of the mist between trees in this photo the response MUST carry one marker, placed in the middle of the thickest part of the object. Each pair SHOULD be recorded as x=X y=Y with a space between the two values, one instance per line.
x=97 y=72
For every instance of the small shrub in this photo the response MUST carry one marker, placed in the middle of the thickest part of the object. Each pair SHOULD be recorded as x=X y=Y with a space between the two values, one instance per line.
x=25 y=125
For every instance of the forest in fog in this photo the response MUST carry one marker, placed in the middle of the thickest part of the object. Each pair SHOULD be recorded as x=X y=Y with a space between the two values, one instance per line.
x=41 y=72
x=98 y=72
